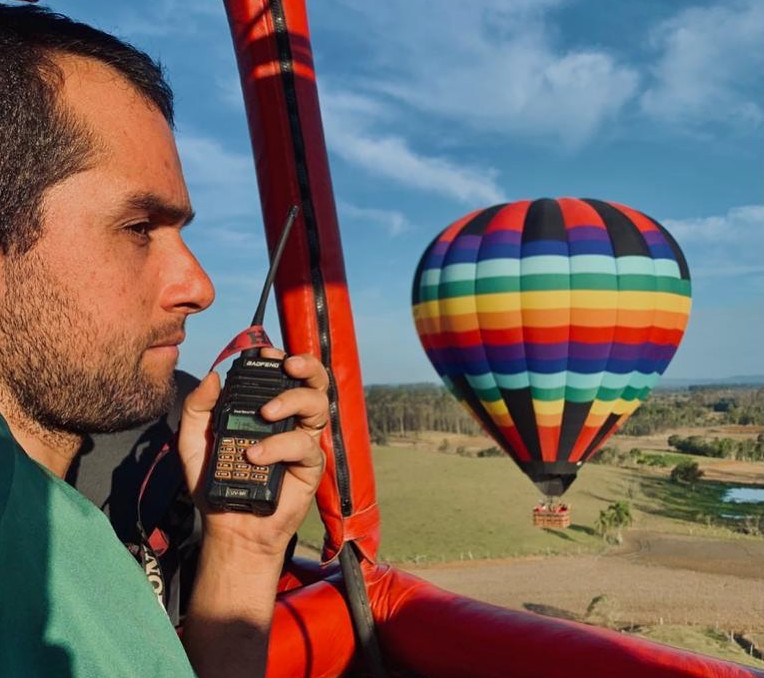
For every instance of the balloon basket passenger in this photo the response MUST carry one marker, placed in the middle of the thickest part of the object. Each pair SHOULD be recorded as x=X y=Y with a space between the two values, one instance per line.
x=551 y=512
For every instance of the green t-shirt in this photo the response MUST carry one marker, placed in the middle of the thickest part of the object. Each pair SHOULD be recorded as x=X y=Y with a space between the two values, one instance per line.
x=73 y=601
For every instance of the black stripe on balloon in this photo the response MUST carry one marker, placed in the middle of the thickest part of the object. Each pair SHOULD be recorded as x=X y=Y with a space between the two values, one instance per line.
x=625 y=237
x=418 y=273
x=519 y=403
x=544 y=221
x=478 y=223
x=607 y=427
x=464 y=391
x=684 y=269
x=573 y=418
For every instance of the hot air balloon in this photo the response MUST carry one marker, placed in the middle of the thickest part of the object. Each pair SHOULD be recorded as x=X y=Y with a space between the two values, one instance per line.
x=551 y=321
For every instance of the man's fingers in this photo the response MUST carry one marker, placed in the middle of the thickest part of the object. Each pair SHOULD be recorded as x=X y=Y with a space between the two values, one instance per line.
x=295 y=448
x=309 y=369
x=195 y=421
x=271 y=352
x=202 y=399
x=308 y=404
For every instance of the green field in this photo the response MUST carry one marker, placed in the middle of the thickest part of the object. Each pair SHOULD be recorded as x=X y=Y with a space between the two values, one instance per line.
x=706 y=641
x=443 y=507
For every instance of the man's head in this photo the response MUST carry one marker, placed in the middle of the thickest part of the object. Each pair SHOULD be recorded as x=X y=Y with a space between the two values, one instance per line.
x=40 y=142
x=95 y=280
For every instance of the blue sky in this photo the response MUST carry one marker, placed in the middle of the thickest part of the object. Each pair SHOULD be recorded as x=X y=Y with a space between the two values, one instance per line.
x=431 y=113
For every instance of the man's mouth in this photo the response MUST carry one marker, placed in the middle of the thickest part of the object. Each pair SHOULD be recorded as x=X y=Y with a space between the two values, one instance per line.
x=170 y=342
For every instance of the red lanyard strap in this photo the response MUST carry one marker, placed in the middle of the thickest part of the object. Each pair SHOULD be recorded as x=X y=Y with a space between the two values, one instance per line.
x=252 y=337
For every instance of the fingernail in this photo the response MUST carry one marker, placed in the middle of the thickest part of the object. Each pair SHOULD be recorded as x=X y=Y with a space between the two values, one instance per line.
x=295 y=362
x=255 y=451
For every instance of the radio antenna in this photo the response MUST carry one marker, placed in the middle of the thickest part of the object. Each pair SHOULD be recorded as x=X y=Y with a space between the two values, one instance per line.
x=275 y=259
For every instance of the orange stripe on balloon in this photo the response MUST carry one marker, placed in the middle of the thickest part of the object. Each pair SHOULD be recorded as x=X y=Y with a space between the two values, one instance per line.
x=583 y=441
x=548 y=419
x=549 y=439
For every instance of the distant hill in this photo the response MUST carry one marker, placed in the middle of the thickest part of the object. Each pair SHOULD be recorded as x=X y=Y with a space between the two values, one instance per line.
x=738 y=380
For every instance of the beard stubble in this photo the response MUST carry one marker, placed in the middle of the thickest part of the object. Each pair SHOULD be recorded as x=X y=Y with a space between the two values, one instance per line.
x=65 y=371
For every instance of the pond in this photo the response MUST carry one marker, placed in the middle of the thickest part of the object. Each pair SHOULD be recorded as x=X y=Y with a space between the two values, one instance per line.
x=747 y=495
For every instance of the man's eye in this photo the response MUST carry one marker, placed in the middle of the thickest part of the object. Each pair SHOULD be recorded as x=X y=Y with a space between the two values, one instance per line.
x=140 y=231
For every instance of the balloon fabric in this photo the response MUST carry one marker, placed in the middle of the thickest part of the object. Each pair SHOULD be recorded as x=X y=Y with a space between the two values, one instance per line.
x=551 y=321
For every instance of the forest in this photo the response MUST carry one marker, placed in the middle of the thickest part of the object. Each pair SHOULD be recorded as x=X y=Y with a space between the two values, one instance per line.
x=414 y=408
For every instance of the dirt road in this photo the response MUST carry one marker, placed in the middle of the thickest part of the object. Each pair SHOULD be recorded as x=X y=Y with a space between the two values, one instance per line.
x=651 y=579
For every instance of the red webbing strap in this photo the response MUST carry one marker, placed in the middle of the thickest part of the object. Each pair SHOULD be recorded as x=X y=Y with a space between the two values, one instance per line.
x=252 y=337
x=311 y=289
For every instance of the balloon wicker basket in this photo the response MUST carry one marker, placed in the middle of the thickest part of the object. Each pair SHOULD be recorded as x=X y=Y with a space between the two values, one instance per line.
x=555 y=516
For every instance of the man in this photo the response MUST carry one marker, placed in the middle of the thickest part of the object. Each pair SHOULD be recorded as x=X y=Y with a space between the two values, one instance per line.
x=95 y=285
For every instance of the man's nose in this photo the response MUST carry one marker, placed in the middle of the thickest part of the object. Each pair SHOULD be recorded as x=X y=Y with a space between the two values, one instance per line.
x=188 y=287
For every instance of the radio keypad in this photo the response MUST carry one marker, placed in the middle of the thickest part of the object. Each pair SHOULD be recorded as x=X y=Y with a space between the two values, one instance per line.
x=233 y=464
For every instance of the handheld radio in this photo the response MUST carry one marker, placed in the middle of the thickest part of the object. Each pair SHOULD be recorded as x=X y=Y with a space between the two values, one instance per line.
x=232 y=483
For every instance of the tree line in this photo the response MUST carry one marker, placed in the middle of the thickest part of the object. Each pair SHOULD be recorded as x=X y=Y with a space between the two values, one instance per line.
x=414 y=408
x=697 y=407
x=721 y=448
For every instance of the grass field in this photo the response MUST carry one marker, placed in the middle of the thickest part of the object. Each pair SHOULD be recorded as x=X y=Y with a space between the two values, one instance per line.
x=704 y=640
x=445 y=507
x=440 y=508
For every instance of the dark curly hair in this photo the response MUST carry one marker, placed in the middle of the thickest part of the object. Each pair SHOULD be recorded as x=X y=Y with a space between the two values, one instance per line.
x=41 y=143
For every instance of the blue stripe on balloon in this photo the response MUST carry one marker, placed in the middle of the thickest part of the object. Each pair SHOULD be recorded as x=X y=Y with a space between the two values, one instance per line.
x=461 y=255
x=661 y=252
x=460 y=365
x=545 y=247
x=590 y=247
x=500 y=251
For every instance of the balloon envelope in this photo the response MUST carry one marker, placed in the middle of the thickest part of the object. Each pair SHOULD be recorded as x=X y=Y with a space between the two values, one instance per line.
x=551 y=321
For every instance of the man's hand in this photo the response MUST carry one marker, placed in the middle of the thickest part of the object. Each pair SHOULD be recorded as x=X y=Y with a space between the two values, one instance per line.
x=298 y=449
x=229 y=615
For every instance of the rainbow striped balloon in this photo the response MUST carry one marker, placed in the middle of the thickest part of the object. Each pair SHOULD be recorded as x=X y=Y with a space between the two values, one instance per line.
x=551 y=321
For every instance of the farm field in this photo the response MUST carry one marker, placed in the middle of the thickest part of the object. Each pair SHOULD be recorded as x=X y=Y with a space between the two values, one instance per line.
x=445 y=507
x=464 y=523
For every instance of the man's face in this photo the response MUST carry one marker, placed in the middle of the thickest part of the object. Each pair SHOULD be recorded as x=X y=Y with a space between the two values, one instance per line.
x=91 y=316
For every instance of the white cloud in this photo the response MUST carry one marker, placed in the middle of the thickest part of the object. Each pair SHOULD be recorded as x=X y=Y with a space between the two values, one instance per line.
x=222 y=182
x=725 y=246
x=493 y=66
x=711 y=63
x=350 y=121
x=392 y=221
x=163 y=18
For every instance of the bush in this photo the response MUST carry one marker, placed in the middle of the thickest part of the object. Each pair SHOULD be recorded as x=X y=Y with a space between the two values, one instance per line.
x=490 y=452
x=611 y=456
x=612 y=520
x=602 y=611
x=686 y=472
x=654 y=460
